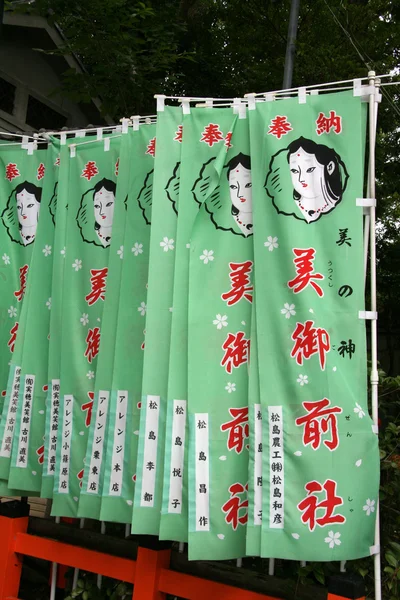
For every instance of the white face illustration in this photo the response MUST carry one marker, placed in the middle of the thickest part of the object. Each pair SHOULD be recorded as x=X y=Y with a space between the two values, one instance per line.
x=240 y=188
x=307 y=174
x=104 y=207
x=28 y=209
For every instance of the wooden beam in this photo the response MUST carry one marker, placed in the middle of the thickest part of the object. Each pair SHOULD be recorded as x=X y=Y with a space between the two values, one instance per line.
x=73 y=556
x=221 y=571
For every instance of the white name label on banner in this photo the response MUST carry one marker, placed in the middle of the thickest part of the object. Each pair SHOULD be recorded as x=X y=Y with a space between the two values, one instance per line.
x=23 y=442
x=177 y=457
x=117 y=465
x=65 y=454
x=54 y=414
x=276 y=468
x=257 y=464
x=202 y=462
x=150 y=451
x=6 y=443
x=98 y=443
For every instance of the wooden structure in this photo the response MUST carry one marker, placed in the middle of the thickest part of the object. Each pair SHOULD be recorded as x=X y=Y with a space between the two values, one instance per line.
x=151 y=566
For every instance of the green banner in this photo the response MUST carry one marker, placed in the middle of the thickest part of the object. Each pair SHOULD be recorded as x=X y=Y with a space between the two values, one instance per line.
x=126 y=390
x=93 y=168
x=220 y=302
x=21 y=192
x=97 y=406
x=28 y=446
x=150 y=462
x=320 y=468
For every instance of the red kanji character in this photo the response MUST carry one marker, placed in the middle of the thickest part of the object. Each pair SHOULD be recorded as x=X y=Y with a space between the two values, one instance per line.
x=23 y=272
x=240 y=283
x=12 y=171
x=40 y=171
x=40 y=453
x=304 y=271
x=93 y=344
x=238 y=428
x=179 y=134
x=308 y=341
x=98 y=285
x=233 y=506
x=236 y=351
x=89 y=408
x=228 y=139
x=279 y=126
x=310 y=505
x=151 y=147
x=117 y=168
x=212 y=135
x=319 y=420
x=80 y=477
x=57 y=163
x=13 y=333
x=325 y=124
x=90 y=170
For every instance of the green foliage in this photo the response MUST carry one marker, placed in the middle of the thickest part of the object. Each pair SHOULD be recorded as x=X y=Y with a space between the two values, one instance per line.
x=87 y=589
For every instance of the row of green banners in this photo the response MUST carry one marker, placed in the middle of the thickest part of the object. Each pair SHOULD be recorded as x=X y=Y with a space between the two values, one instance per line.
x=180 y=335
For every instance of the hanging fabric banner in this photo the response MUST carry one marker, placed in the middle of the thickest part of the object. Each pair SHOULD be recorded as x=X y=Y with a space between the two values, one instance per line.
x=220 y=302
x=195 y=154
x=98 y=403
x=320 y=470
x=58 y=209
x=126 y=390
x=253 y=530
x=28 y=446
x=91 y=199
x=21 y=191
x=150 y=463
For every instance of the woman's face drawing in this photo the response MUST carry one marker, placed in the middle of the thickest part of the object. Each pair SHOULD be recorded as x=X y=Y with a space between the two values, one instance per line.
x=28 y=209
x=307 y=174
x=240 y=188
x=104 y=207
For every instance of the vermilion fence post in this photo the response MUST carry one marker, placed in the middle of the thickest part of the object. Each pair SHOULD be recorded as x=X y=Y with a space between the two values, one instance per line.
x=13 y=520
x=148 y=567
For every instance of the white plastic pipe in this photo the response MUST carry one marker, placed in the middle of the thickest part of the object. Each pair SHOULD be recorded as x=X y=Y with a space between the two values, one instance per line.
x=76 y=571
x=54 y=567
x=374 y=325
x=102 y=531
x=271 y=566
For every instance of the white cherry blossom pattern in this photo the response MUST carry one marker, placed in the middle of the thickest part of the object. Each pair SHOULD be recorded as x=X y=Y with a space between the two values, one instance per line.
x=120 y=252
x=77 y=265
x=288 y=310
x=369 y=506
x=6 y=259
x=271 y=243
x=230 y=387
x=12 y=312
x=167 y=244
x=333 y=539
x=47 y=250
x=63 y=251
x=137 y=249
x=302 y=380
x=142 y=308
x=220 y=321
x=84 y=319
x=359 y=411
x=90 y=374
x=48 y=303
x=207 y=256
